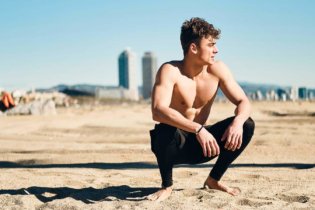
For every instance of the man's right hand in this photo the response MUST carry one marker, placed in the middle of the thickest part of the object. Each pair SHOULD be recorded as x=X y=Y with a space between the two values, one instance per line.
x=208 y=143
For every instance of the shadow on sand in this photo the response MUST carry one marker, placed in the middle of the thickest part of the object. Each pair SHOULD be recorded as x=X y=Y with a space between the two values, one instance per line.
x=111 y=193
x=86 y=195
x=144 y=165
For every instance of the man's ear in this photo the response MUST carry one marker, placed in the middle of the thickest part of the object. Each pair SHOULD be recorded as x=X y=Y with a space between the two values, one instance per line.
x=193 y=48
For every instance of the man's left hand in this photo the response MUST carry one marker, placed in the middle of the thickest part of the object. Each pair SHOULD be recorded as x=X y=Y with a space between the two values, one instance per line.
x=233 y=136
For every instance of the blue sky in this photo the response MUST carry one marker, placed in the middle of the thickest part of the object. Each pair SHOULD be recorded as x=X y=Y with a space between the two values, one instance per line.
x=44 y=43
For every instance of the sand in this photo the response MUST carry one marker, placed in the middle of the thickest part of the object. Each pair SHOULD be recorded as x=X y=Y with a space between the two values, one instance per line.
x=98 y=157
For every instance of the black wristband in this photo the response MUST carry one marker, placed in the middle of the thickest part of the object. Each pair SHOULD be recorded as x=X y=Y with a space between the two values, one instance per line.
x=199 y=129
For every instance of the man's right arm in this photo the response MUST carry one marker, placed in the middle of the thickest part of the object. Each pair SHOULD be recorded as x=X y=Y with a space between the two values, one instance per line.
x=161 y=100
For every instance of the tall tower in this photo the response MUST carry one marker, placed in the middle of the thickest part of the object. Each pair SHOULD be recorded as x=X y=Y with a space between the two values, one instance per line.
x=127 y=70
x=149 y=68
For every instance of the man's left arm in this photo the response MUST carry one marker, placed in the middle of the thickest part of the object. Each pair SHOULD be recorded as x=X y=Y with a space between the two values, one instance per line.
x=234 y=133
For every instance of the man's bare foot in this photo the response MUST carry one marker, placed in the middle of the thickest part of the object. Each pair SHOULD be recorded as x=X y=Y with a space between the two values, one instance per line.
x=214 y=184
x=160 y=195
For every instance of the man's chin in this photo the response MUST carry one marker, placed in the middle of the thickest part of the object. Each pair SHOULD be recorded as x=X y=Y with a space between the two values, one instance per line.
x=211 y=62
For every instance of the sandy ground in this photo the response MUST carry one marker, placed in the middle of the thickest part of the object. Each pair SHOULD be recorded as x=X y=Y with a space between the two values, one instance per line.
x=99 y=158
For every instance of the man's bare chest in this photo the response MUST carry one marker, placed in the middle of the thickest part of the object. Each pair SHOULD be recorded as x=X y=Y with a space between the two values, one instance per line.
x=195 y=94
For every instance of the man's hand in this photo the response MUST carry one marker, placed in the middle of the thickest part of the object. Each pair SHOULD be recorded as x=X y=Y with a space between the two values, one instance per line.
x=208 y=143
x=160 y=195
x=233 y=136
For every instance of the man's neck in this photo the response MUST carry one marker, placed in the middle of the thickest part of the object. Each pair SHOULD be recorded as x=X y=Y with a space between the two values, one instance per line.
x=191 y=69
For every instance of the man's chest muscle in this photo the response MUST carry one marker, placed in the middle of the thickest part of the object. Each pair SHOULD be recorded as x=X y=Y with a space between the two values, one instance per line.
x=194 y=94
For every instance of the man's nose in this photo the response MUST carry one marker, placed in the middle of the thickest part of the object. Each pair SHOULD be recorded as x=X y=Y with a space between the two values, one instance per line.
x=215 y=50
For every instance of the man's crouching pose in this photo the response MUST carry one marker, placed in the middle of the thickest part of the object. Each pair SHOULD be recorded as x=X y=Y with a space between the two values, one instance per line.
x=182 y=97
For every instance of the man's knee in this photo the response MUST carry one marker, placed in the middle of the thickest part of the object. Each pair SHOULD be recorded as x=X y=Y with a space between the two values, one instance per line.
x=249 y=126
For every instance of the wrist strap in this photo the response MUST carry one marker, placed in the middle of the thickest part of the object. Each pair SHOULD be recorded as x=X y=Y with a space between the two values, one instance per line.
x=199 y=129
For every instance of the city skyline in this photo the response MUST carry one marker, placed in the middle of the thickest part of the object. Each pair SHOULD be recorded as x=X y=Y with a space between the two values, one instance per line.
x=75 y=42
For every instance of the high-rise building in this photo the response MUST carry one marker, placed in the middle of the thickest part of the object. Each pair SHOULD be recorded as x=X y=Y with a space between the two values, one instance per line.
x=127 y=73
x=149 y=69
x=127 y=69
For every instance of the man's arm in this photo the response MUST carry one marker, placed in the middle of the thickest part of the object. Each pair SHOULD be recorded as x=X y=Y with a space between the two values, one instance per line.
x=161 y=111
x=236 y=95
x=161 y=100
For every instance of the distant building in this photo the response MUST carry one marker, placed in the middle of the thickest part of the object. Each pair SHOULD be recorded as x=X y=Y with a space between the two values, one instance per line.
x=127 y=88
x=302 y=93
x=127 y=72
x=258 y=96
x=127 y=69
x=116 y=93
x=272 y=96
x=149 y=69
x=293 y=94
x=282 y=95
x=311 y=95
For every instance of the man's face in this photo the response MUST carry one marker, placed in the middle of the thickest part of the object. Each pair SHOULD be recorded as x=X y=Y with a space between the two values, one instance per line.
x=207 y=50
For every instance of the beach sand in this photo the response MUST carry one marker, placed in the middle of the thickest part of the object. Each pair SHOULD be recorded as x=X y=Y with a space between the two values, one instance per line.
x=99 y=157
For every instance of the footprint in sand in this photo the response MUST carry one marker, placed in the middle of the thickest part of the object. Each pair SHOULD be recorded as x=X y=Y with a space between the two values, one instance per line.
x=199 y=194
x=260 y=142
x=293 y=198
x=247 y=202
x=253 y=176
x=257 y=176
x=192 y=193
x=186 y=174
x=264 y=198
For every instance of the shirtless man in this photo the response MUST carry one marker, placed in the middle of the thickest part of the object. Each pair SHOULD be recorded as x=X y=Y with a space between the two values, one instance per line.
x=182 y=97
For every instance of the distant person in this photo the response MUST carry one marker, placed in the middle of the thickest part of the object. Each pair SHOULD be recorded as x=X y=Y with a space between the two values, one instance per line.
x=6 y=102
x=182 y=97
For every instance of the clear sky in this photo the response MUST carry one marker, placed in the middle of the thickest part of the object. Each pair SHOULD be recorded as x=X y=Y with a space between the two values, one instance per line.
x=47 y=42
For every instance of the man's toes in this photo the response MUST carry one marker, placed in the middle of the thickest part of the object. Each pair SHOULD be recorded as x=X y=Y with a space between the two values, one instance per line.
x=235 y=191
x=162 y=197
x=152 y=197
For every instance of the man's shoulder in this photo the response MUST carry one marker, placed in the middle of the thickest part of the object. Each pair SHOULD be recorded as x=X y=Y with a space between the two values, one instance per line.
x=219 y=69
x=170 y=68
x=168 y=73
x=172 y=64
x=217 y=65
